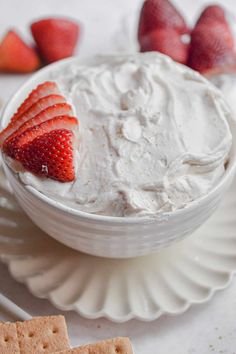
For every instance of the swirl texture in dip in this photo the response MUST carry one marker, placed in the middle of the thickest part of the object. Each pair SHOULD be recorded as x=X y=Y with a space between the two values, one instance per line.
x=154 y=136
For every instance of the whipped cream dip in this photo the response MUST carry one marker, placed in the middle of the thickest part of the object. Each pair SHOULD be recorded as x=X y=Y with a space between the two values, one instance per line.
x=153 y=137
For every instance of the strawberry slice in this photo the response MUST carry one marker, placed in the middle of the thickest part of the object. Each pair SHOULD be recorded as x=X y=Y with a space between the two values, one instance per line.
x=16 y=56
x=166 y=41
x=156 y=14
x=56 y=38
x=60 y=122
x=51 y=155
x=35 y=109
x=42 y=90
x=210 y=51
x=48 y=149
x=53 y=111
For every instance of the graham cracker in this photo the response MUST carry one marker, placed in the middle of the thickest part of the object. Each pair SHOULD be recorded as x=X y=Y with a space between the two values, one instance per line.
x=42 y=335
x=120 y=345
x=8 y=339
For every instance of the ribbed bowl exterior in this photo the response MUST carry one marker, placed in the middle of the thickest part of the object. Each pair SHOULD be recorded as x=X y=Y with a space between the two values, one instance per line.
x=121 y=239
x=105 y=236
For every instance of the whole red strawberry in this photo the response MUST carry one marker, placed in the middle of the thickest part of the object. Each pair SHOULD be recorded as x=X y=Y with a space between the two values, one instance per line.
x=215 y=15
x=212 y=13
x=16 y=56
x=156 y=14
x=166 y=41
x=56 y=38
x=211 y=50
x=212 y=43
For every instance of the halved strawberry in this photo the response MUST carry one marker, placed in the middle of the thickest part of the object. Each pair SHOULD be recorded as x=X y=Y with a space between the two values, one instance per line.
x=16 y=55
x=35 y=109
x=156 y=14
x=56 y=37
x=48 y=149
x=166 y=41
x=210 y=52
x=53 y=111
x=42 y=90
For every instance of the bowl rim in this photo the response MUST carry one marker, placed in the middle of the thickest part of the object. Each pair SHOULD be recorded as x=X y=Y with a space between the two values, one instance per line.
x=231 y=167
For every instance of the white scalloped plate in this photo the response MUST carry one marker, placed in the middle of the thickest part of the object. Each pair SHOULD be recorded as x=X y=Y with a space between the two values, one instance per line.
x=144 y=288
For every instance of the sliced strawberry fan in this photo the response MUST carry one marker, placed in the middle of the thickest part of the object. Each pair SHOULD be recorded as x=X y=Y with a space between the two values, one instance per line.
x=60 y=122
x=43 y=135
x=35 y=109
x=46 y=114
x=45 y=89
x=48 y=149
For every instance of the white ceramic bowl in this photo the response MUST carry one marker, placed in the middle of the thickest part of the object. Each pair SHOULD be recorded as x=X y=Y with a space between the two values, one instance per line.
x=116 y=237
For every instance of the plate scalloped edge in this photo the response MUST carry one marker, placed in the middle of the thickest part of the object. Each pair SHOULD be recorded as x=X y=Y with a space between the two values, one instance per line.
x=143 y=288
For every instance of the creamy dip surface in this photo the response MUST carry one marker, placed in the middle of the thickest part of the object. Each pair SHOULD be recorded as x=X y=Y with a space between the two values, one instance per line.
x=153 y=136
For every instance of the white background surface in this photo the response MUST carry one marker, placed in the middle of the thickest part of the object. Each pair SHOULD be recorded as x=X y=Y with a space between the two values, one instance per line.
x=109 y=26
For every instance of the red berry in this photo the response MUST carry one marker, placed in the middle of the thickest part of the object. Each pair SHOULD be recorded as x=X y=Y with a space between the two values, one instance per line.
x=47 y=149
x=61 y=122
x=210 y=49
x=156 y=14
x=166 y=41
x=214 y=16
x=56 y=38
x=42 y=135
x=50 y=155
x=212 y=13
x=42 y=90
x=51 y=112
x=35 y=109
x=16 y=56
